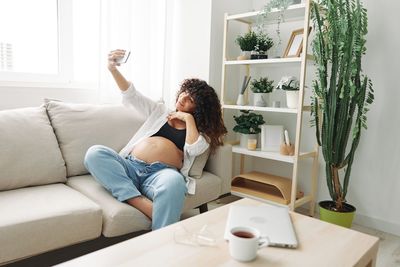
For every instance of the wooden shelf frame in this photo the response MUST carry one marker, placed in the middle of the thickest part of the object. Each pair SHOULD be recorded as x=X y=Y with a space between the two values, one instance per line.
x=292 y=13
x=299 y=12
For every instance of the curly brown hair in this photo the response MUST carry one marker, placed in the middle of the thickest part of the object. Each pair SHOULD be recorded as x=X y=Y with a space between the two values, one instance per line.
x=207 y=114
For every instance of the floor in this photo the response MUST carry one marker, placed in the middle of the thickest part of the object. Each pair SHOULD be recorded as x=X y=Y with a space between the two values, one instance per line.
x=389 y=247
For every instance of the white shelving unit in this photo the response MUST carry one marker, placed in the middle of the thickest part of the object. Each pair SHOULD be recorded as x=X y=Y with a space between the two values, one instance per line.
x=264 y=186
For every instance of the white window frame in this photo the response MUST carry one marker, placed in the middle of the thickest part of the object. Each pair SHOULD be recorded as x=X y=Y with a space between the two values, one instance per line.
x=65 y=60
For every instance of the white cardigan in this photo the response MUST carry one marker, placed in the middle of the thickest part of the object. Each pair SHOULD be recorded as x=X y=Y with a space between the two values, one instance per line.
x=156 y=114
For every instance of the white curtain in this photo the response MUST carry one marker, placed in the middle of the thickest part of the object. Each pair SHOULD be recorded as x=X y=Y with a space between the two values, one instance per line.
x=138 y=26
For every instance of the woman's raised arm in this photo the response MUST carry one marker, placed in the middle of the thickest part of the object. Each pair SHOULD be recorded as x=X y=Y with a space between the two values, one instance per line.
x=113 y=56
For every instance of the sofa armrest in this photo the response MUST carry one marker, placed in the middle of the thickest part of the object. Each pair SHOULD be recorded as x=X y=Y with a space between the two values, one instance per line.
x=220 y=164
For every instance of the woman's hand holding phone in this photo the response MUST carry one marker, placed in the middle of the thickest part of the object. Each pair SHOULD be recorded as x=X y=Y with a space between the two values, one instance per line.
x=117 y=57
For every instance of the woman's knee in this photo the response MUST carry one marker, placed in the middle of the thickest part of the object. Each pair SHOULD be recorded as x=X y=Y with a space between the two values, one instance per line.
x=173 y=183
x=95 y=153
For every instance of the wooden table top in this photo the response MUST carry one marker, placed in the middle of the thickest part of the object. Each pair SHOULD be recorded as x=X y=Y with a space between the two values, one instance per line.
x=320 y=244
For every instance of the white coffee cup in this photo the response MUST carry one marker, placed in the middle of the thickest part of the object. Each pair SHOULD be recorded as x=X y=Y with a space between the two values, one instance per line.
x=244 y=243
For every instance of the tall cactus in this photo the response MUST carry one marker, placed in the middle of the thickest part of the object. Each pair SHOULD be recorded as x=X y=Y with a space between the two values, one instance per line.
x=341 y=92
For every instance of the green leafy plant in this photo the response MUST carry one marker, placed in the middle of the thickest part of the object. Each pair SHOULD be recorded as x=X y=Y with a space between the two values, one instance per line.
x=262 y=85
x=264 y=43
x=248 y=122
x=248 y=41
x=288 y=83
x=341 y=92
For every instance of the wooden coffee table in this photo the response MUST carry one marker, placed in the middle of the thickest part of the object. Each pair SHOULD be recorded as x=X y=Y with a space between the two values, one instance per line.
x=320 y=244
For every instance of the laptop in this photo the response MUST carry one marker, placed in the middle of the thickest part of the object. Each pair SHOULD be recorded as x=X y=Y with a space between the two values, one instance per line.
x=271 y=220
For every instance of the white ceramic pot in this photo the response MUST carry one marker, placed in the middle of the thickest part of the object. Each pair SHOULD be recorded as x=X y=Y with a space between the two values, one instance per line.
x=245 y=137
x=241 y=101
x=260 y=99
x=245 y=55
x=292 y=98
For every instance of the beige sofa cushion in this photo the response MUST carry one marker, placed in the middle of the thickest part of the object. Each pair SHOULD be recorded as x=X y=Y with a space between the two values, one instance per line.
x=29 y=152
x=42 y=218
x=118 y=218
x=79 y=126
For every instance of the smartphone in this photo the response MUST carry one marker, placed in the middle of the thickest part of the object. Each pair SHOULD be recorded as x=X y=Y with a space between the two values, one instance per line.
x=125 y=58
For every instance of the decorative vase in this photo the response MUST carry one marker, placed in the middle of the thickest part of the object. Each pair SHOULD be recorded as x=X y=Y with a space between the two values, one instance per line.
x=240 y=100
x=245 y=137
x=245 y=55
x=344 y=218
x=260 y=99
x=292 y=98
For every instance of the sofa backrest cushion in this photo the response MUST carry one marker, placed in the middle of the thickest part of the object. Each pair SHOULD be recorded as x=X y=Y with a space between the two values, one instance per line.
x=79 y=126
x=29 y=152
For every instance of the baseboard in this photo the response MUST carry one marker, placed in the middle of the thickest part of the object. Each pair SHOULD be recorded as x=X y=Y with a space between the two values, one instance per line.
x=378 y=224
x=366 y=221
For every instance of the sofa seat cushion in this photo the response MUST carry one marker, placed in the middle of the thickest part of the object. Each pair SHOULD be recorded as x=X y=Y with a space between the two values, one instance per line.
x=38 y=219
x=29 y=152
x=118 y=218
x=208 y=188
x=79 y=126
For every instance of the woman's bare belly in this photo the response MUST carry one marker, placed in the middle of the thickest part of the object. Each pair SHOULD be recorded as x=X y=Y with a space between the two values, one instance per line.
x=157 y=148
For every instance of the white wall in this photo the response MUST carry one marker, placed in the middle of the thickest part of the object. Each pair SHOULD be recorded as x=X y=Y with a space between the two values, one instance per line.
x=375 y=185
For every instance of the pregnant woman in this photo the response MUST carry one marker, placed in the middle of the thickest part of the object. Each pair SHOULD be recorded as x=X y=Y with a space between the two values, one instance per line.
x=151 y=172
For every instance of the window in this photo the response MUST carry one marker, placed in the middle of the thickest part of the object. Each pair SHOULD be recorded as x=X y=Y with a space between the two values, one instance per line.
x=31 y=38
x=64 y=43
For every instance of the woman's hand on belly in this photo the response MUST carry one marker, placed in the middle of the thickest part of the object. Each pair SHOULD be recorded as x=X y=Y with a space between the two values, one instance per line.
x=157 y=148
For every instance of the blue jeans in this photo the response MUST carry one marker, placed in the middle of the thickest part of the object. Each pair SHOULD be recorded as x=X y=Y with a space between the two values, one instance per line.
x=126 y=178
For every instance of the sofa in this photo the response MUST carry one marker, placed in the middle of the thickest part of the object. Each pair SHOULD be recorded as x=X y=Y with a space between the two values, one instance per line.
x=48 y=200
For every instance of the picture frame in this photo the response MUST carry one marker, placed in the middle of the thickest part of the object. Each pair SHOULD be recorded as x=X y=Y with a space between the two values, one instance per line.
x=295 y=44
x=271 y=137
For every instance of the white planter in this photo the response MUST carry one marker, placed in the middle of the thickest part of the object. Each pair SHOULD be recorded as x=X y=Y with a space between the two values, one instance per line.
x=241 y=101
x=245 y=137
x=260 y=99
x=292 y=98
x=245 y=55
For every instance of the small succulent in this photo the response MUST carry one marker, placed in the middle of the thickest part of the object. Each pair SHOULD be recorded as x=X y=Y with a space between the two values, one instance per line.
x=262 y=85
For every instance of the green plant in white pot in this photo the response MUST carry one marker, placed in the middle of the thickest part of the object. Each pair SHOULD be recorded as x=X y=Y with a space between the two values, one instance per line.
x=261 y=89
x=247 y=43
x=264 y=43
x=248 y=125
x=341 y=95
x=291 y=86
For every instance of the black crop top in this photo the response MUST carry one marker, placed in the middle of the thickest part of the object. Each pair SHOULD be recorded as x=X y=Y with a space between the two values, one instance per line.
x=176 y=136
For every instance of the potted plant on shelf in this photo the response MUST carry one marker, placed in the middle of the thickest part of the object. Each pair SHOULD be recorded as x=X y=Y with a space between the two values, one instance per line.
x=247 y=124
x=341 y=95
x=264 y=43
x=247 y=43
x=291 y=85
x=261 y=89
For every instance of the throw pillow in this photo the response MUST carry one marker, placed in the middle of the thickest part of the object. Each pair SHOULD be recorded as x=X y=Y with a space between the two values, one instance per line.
x=80 y=126
x=29 y=152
